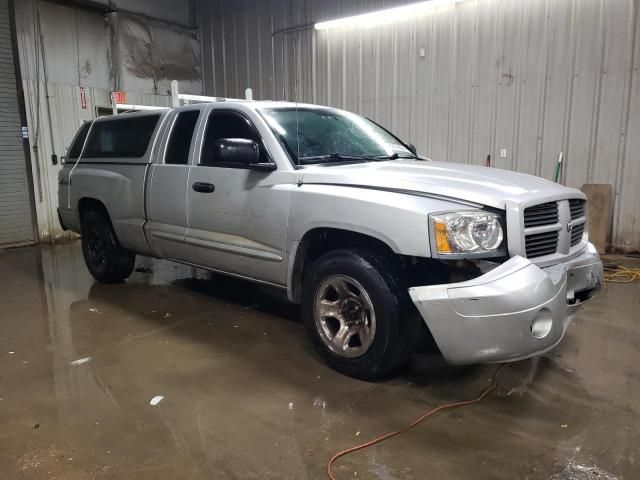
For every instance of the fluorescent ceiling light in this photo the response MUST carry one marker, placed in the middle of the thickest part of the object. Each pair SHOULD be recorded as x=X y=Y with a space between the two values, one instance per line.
x=381 y=17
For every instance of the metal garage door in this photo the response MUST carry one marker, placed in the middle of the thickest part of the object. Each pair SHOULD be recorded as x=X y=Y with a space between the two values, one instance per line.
x=16 y=218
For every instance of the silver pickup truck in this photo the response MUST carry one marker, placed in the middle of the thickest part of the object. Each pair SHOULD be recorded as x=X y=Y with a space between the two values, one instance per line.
x=374 y=241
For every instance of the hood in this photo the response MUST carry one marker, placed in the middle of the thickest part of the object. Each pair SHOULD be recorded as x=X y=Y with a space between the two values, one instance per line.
x=491 y=187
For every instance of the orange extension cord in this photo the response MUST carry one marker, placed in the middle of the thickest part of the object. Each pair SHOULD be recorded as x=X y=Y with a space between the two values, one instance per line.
x=615 y=272
x=387 y=436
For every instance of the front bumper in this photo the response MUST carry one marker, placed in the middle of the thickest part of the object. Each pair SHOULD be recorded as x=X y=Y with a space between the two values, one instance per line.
x=515 y=311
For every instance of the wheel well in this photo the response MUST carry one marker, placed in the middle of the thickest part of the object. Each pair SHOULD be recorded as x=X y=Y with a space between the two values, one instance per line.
x=86 y=204
x=415 y=270
x=318 y=241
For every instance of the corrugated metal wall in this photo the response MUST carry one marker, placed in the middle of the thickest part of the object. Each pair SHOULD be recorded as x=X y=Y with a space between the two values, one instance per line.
x=16 y=219
x=76 y=50
x=534 y=77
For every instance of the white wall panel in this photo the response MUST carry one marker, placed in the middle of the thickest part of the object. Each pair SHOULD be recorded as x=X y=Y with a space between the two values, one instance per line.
x=535 y=77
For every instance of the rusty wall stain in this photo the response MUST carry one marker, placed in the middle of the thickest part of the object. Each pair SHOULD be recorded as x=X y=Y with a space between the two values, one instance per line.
x=158 y=53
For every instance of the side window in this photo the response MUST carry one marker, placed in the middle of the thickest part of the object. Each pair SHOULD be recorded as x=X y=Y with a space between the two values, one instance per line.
x=78 y=142
x=180 y=140
x=121 y=137
x=227 y=125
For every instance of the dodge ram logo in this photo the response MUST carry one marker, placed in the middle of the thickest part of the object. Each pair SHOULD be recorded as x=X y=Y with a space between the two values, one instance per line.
x=569 y=226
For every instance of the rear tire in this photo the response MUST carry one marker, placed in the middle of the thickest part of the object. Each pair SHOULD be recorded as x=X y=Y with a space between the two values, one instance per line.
x=359 y=314
x=105 y=258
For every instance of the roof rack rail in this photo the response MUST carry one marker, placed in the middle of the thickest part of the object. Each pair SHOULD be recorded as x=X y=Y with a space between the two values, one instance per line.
x=129 y=107
x=177 y=99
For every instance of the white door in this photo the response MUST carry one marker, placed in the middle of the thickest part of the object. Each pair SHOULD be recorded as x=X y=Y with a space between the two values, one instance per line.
x=237 y=216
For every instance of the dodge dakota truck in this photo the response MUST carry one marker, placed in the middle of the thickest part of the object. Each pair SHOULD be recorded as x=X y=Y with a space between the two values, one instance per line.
x=373 y=241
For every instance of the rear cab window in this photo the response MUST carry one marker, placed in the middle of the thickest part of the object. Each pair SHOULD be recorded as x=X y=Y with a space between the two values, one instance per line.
x=179 y=144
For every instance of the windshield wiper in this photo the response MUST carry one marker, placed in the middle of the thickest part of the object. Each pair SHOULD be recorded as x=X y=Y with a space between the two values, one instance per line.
x=393 y=156
x=342 y=157
x=333 y=157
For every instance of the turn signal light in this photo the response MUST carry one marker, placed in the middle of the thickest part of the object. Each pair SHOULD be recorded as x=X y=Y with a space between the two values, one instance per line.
x=442 y=242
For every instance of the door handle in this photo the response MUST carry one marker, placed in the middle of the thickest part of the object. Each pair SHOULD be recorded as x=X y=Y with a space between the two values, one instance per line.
x=203 y=187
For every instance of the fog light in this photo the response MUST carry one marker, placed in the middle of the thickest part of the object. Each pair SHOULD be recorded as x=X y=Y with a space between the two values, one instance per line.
x=541 y=324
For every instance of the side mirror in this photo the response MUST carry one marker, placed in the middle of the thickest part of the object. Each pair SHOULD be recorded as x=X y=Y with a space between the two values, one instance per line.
x=412 y=148
x=238 y=153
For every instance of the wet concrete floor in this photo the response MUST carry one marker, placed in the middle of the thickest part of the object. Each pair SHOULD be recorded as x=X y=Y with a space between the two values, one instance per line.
x=245 y=396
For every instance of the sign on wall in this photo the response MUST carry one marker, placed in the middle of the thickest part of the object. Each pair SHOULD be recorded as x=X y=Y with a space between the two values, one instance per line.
x=83 y=98
x=120 y=97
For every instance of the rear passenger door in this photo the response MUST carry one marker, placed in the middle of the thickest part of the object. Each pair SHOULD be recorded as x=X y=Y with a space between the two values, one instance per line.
x=238 y=225
x=167 y=196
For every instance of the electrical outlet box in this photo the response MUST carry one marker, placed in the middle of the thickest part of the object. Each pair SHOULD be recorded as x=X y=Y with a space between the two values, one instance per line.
x=503 y=153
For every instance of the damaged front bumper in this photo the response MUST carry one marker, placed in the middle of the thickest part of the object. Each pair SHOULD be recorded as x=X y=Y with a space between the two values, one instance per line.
x=515 y=311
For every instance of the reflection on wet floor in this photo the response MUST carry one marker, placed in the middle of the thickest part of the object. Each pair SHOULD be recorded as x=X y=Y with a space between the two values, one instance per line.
x=244 y=395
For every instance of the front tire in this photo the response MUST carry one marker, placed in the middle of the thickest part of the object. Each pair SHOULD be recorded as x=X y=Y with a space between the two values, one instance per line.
x=105 y=258
x=358 y=313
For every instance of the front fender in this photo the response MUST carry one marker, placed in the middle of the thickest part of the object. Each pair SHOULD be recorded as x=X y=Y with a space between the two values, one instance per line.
x=397 y=219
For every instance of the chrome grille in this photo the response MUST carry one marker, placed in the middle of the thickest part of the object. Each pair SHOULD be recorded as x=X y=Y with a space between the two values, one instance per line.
x=543 y=214
x=576 y=234
x=539 y=244
x=577 y=208
x=542 y=243
x=554 y=228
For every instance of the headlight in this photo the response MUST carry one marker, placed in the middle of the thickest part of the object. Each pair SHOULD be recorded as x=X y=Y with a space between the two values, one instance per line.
x=467 y=232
